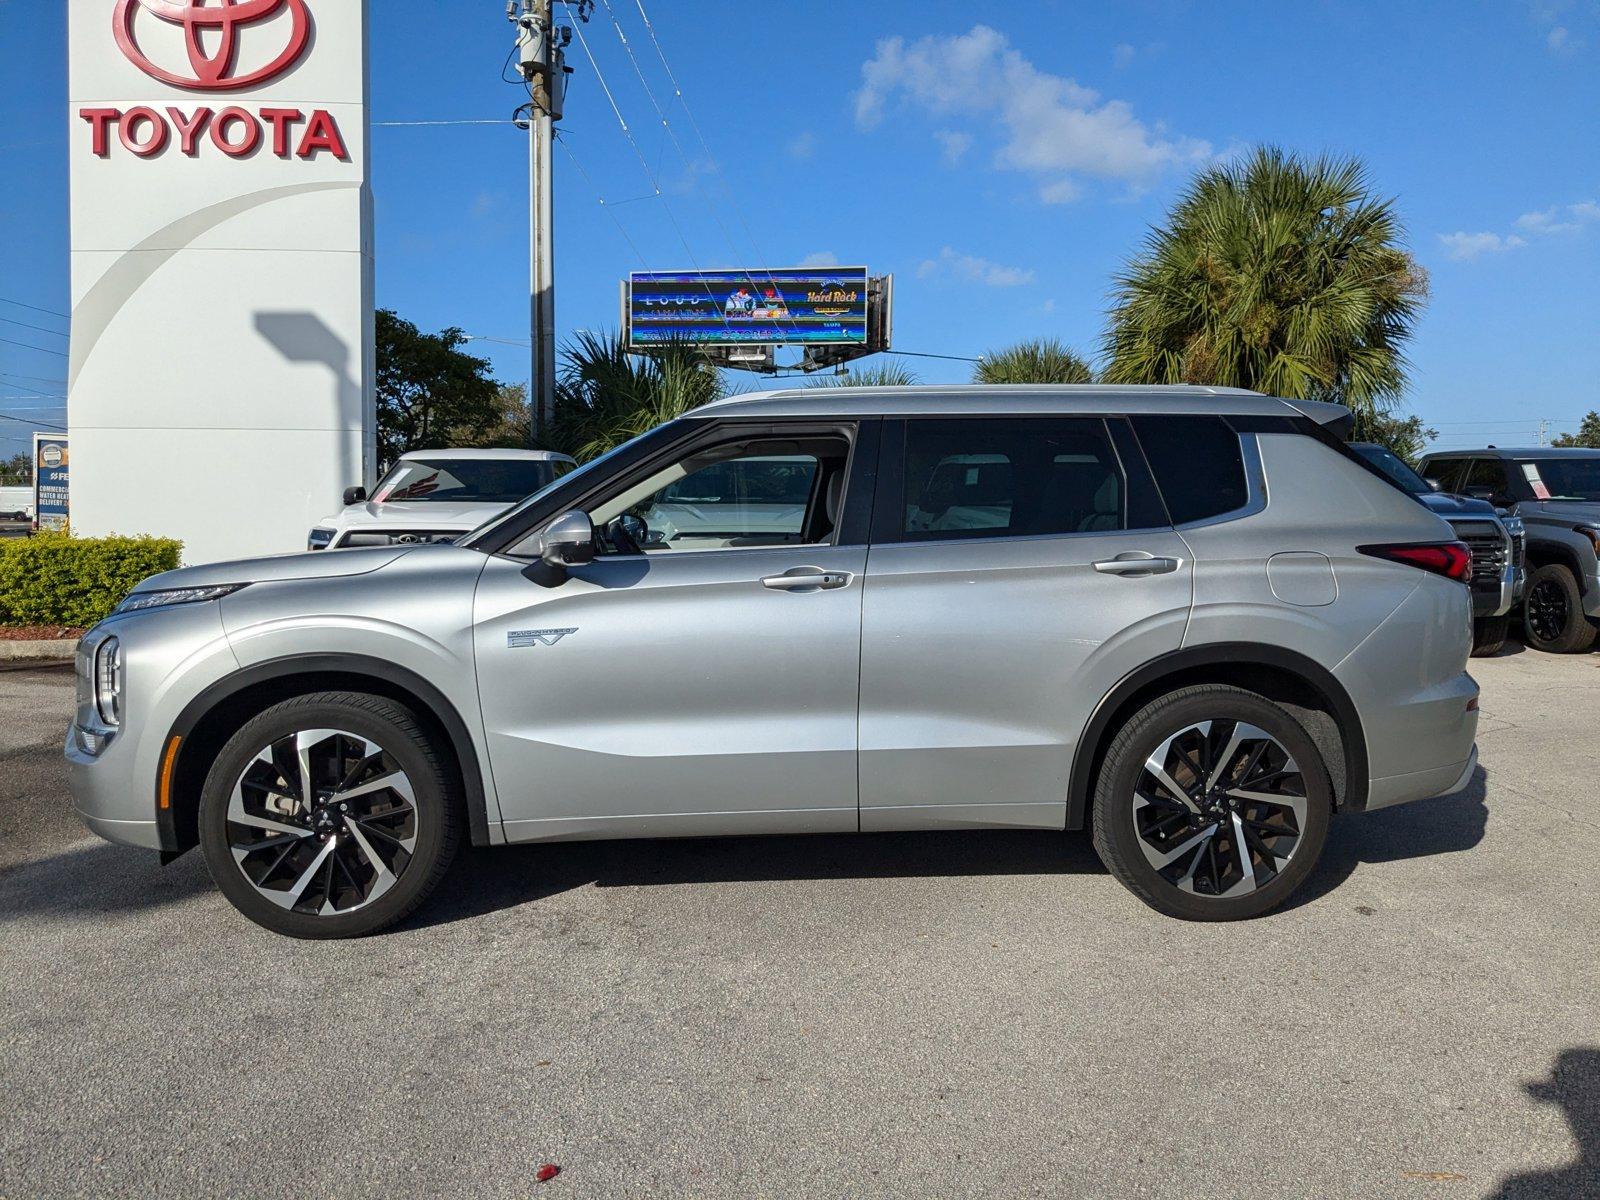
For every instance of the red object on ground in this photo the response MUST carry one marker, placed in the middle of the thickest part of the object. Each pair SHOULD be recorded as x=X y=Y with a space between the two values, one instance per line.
x=547 y=1172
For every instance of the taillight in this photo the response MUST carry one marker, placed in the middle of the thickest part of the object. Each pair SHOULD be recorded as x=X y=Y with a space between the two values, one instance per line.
x=1451 y=559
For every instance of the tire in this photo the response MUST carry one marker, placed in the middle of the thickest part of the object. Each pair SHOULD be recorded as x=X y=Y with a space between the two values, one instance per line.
x=1552 y=613
x=1139 y=822
x=1488 y=635
x=379 y=831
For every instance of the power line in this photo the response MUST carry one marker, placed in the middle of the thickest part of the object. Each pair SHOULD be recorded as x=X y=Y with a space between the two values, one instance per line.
x=35 y=378
x=639 y=254
x=643 y=162
x=49 y=312
x=408 y=124
x=30 y=421
x=923 y=354
x=40 y=349
x=35 y=328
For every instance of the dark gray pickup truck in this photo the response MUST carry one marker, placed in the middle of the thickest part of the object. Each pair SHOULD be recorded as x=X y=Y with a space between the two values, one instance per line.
x=1556 y=493
x=1495 y=538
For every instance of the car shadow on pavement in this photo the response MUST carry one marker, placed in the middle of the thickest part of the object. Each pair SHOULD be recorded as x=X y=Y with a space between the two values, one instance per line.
x=485 y=880
x=1574 y=1087
x=1446 y=825
x=95 y=878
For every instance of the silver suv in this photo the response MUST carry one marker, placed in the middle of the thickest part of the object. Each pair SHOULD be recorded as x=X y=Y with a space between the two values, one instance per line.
x=1186 y=617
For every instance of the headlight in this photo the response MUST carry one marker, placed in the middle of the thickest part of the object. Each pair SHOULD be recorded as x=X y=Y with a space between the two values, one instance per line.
x=108 y=682
x=319 y=539
x=190 y=595
x=1514 y=526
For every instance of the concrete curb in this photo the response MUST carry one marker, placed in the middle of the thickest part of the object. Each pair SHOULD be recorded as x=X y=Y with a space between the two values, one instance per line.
x=56 y=651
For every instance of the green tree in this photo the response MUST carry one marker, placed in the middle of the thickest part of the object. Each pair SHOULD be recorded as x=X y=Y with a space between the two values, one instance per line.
x=430 y=392
x=1039 y=360
x=17 y=471
x=1588 y=433
x=1406 y=436
x=1274 y=273
x=605 y=395
x=889 y=374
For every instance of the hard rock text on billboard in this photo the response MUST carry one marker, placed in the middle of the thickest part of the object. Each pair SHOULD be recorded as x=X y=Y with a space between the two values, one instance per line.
x=796 y=306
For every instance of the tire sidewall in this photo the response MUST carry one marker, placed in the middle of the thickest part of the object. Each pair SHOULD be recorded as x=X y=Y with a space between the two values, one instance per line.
x=1578 y=634
x=414 y=757
x=1114 y=811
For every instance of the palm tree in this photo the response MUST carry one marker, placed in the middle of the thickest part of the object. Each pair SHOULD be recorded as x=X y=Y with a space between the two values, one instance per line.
x=1274 y=273
x=890 y=374
x=605 y=395
x=1040 y=360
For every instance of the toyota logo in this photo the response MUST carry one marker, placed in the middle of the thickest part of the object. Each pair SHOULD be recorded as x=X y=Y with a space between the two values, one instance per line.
x=216 y=25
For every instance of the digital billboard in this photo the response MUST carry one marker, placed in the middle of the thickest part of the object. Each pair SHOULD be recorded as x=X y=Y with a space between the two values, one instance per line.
x=50 y=470
x=783 y=306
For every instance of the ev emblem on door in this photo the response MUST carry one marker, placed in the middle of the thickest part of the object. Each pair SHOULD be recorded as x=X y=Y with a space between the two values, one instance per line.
x=536 y=637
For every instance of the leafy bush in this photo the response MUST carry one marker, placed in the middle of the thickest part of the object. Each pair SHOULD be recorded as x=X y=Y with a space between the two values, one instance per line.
x=58 y=579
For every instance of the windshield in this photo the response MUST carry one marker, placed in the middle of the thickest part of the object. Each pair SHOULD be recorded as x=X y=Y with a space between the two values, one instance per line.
x=465 y=480
x=572 y=474
x=1392 y=465
x=1564 y=478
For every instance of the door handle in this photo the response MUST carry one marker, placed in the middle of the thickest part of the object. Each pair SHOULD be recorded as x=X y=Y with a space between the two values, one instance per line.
x=1137 y=562
x=806 y=579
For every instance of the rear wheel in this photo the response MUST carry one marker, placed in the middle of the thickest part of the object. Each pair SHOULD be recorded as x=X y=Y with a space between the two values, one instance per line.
x=329 y=815
x=1488 y=635
x=1212 y=804
x=1553 y=618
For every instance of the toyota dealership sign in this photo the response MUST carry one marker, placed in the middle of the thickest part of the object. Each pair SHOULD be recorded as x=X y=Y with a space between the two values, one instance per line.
x=220 y=382
x=214 y=48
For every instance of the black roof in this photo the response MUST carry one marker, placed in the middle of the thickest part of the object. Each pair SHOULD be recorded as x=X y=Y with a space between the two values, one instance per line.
x=1518 y=452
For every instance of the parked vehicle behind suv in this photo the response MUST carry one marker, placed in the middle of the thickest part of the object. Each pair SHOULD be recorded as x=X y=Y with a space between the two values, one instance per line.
x=1188 y=618
x=1556 y=493
x=436 y=496
x=1495 y=536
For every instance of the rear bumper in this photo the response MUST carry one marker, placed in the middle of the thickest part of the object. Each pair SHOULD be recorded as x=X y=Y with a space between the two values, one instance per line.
x=1433 y=783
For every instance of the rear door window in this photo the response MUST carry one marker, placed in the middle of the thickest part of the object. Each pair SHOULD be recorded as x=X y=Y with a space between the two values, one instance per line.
x=1197 y=463
x=1011 y=477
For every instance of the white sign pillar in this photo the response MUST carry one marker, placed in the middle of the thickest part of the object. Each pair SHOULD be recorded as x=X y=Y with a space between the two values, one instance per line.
x=220 y=385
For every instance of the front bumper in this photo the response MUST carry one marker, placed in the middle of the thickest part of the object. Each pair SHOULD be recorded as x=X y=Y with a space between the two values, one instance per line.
x=169 y=656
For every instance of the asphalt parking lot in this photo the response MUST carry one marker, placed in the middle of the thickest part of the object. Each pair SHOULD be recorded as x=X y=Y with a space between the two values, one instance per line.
x=916 y=1015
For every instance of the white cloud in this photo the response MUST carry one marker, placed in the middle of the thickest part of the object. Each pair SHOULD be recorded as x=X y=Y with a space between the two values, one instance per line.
x=822 y=258
x=1464 y=247
x=953 y=144
x=1556 y=39
x=1570 y=218
x=803 y=145
x=971 y=269
x=1062 y=191
x=1048 y=125
x=1122 y=55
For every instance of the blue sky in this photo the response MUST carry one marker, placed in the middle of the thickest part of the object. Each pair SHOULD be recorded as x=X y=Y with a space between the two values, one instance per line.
x=1001 y=160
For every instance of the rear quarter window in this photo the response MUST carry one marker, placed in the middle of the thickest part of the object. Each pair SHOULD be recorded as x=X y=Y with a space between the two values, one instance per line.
x=1197 y=463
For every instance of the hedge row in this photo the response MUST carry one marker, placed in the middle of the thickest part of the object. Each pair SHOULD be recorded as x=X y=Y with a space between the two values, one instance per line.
x=57 y=579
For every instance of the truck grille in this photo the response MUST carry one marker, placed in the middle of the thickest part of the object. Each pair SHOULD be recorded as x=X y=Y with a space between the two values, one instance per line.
x=1488 y=547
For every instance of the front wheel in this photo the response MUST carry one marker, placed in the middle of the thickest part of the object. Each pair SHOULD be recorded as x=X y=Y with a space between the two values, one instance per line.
x=1553 y=618
x=1212 y=804
x=329 y=815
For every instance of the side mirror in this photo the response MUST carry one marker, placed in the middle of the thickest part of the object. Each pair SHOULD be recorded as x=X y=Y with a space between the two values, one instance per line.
x=354 y=495
x=568 y=541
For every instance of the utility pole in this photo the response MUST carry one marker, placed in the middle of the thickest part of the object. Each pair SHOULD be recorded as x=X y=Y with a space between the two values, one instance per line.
x=1544 y=429
x=542 y=65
